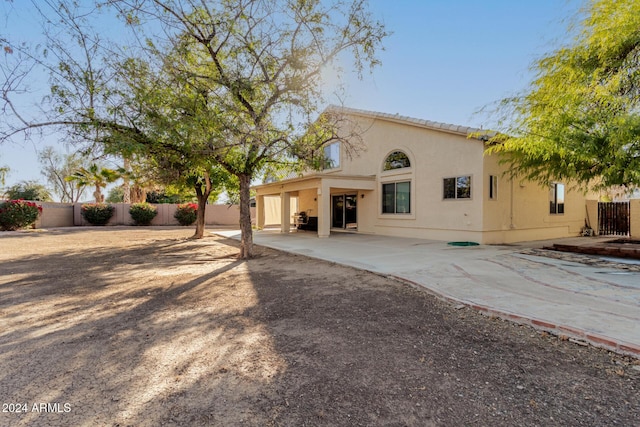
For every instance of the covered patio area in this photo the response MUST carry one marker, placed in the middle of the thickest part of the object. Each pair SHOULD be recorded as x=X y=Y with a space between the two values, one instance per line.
x=319 y=202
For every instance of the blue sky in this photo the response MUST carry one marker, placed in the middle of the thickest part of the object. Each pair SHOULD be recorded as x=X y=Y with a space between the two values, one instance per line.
x=445 y=60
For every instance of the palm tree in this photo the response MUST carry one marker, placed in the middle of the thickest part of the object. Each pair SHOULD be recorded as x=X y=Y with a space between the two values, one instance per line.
x=136 y=179
x=95 y=176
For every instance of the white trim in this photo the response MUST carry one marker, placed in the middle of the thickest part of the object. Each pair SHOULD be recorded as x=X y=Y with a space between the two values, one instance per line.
x=404 y=150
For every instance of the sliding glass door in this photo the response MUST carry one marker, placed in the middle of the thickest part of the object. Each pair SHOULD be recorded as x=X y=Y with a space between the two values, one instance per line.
x=344 y=211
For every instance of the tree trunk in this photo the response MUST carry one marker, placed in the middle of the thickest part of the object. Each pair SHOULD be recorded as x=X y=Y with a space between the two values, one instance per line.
x=246 y=232
x=202 y=193
x=138 y=194
x=126 y=186
x=98 y=195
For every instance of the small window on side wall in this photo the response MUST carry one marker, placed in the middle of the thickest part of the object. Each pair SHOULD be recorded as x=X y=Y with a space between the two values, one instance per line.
x=396 y=160
x=493 y=187
x=556 y=199
x=457 y=188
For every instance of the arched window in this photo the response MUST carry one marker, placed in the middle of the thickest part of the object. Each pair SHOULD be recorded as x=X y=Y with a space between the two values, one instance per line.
x=396 y=160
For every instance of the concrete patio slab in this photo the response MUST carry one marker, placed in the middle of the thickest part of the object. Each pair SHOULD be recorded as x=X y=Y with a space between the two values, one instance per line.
x=598 y=305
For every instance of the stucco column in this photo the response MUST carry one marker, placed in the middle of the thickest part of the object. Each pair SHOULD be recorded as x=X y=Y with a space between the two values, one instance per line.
x=592 y=215
x=285 y=209
x=260 y=217
x=324 y=209
x=634 y=218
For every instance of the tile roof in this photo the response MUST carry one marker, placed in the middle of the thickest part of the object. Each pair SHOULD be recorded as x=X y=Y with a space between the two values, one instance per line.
x=443 y=127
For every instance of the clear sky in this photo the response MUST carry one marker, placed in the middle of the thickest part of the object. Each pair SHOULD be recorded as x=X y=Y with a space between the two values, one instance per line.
x=445 y=60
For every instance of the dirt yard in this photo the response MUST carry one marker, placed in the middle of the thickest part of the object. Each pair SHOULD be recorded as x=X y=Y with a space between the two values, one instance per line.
x=144 y=327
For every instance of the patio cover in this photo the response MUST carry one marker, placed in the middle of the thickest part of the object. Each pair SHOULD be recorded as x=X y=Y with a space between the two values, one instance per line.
x=324 y=184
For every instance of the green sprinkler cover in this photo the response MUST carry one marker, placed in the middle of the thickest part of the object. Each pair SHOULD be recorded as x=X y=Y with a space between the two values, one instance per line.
x=463 y=244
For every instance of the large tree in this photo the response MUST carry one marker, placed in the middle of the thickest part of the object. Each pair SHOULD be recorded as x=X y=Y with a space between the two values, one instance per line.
x=252 y=70
x=580 y=119
x=96 y=104
x=257 y=66
x=172 y=128
x=56 y=168
x=28 y=190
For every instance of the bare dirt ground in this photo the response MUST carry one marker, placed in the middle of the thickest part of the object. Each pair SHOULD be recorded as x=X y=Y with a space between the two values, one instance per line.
x=144 y=327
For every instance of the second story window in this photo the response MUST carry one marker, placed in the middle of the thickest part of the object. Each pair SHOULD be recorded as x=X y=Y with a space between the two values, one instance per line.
x=332 y=156
x=396 y=160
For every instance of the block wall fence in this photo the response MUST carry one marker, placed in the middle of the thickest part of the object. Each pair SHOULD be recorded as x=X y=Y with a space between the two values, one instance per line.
x=634 y=217
x=68 y=215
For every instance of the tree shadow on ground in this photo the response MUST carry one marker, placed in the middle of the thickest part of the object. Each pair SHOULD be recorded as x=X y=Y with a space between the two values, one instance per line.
x=99 y=329
x=162 y=330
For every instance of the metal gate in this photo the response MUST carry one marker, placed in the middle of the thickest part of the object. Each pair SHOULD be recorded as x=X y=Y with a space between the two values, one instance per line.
x=613 y=219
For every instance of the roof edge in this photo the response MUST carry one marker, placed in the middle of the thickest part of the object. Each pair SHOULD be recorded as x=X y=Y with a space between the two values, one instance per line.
x=316 y=175
x=467 y=131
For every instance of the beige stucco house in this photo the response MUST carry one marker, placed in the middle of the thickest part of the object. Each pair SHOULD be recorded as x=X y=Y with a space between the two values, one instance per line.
x=417 y=178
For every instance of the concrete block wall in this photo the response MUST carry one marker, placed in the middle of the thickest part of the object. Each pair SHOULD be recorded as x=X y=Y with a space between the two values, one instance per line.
x=55 y=215
x=226 y=215
x=634 y=208
x=592 y=215
x=634 y=214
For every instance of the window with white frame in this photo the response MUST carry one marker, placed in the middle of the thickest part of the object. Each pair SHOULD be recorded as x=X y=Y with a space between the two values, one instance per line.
x=556 y=198
x=396 y=160
x=332 y=156
x=396 y=197
x=458 y=187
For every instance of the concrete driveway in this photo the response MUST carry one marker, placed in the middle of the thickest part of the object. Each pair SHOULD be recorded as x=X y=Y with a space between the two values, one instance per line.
x=594 y=304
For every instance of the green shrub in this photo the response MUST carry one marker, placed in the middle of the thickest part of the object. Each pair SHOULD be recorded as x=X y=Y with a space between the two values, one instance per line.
x=186 y=214
x=16 y=214
x=97 y=213
x=143 y=213
x=159 y=197
x=28 y=190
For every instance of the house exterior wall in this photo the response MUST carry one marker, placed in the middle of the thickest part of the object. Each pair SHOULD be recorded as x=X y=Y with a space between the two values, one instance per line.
x=308 y=201
x=431 y=216
x=518 y=212
x=520 y=209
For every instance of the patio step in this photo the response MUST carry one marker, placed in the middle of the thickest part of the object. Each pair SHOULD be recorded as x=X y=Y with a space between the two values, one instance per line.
x=610 y=249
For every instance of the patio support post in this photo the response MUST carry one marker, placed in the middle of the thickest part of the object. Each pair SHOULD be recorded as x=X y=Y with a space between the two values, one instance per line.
x=285 y=209
x=260 y=217
x=324 y=209
x=634 y=219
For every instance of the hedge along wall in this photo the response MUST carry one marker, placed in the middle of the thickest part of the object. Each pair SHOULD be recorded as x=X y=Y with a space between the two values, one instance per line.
x=68 y=215
x=53 y=214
